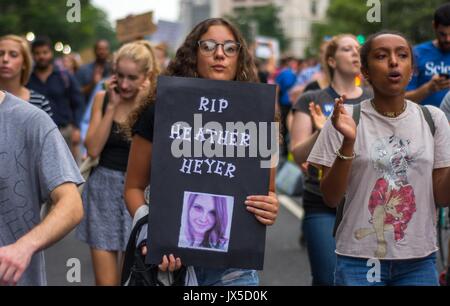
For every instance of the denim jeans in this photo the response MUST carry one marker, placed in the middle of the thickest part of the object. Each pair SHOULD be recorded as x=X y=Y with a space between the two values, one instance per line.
x=226 y=277
x=318 y=233
x=351 y=271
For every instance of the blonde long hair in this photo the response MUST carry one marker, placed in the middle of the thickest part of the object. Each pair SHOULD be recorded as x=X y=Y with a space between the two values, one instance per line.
x=26 y=54
x=142 y=53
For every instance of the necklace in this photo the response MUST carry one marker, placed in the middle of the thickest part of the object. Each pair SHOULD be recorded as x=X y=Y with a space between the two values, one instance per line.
x=389 y=114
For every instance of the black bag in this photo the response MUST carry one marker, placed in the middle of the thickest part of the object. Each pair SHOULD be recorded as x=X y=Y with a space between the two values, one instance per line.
x=137 y=273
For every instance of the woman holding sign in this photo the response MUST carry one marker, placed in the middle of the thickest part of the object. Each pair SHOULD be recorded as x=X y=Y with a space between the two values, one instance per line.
x=213 y=50
x=107 y=224
x=387 y=161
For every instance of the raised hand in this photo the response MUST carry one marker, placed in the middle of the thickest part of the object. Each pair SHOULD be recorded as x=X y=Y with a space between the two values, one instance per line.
x=343 y=121
x=318 y=118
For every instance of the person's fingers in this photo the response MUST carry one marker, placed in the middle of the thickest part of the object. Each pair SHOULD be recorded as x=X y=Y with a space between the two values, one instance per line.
x=262 y=213
x=8 y=276
x=165 y=263
x=261 y=198
x=178 y=263
x=17 y=276
x=3 y=268
x=319 y=110
x=336 y=111
x=264 y=220
x=445 y=84
x=171 y=263
x=268 y=206
x=144 y=250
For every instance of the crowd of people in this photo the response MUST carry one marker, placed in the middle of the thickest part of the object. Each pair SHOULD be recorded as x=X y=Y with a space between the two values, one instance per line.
x=367 y=125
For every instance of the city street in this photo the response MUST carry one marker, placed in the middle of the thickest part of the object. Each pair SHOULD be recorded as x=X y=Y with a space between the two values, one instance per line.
x=286 y=263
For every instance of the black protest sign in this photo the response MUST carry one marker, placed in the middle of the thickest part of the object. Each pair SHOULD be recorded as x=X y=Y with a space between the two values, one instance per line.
x=210 y=138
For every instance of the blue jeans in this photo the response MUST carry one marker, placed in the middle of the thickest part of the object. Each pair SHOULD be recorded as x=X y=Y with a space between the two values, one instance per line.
x=351 y=271
x=226 y=277
x=318 y=233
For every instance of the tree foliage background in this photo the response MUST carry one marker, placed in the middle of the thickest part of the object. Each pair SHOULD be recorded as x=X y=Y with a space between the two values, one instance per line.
x=48 y=17
x=262 y=21
x=411 y=17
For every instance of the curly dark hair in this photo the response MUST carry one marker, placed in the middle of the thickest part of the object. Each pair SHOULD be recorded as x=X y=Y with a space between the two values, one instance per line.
x=185 y=62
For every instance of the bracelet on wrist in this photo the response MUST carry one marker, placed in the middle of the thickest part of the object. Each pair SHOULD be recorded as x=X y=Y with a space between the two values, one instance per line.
x=343 y=157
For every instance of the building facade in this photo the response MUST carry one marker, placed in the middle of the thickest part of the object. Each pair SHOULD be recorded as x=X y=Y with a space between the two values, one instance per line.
x=297 y=16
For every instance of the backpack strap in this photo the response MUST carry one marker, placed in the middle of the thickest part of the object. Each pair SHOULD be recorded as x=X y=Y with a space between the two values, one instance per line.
x=428 y=118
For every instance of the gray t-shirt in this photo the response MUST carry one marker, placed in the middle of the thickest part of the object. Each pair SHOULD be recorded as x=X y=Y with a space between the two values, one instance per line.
x=34 y=160
x=389 y=212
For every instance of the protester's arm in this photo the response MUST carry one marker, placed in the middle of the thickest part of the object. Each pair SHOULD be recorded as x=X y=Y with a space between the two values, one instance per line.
x=138 y=173
x=335 y=179
x=65 y=215
x=436 y=83
x=441 y=183
x=137 y=179
x=100 y=124
x=441 y=169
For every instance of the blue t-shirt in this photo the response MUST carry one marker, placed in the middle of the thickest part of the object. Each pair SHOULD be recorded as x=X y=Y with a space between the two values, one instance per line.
x=285 y=80
x=429 y=61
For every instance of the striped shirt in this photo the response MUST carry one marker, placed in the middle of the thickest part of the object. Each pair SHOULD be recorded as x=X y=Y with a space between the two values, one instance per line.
x=41 y=102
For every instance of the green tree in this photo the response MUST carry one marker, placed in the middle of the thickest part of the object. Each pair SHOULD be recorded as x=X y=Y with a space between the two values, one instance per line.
x=411 y=17
x=49 y=18
x=262 y=21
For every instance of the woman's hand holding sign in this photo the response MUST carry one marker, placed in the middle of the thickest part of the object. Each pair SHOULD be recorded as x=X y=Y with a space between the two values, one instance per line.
x=265 y=208
x=168 y=262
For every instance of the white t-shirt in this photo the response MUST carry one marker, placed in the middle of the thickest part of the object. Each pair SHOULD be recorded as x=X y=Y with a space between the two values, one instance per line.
x=390 y=189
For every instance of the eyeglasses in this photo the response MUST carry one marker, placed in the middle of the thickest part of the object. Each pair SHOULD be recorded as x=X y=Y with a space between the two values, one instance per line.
x=208 y=47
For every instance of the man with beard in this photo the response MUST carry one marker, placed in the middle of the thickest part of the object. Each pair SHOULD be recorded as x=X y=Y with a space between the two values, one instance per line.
x=90 y=74
x=61 y=88
x=431 y=80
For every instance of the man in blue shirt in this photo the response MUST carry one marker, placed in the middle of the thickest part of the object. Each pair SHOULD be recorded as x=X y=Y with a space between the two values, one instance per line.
x=90 y=74
x=431 y=80
x=60 y=88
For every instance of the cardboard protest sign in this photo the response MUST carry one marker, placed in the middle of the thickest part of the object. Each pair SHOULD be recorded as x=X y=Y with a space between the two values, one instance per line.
x=210 y=141
x=135 y=27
